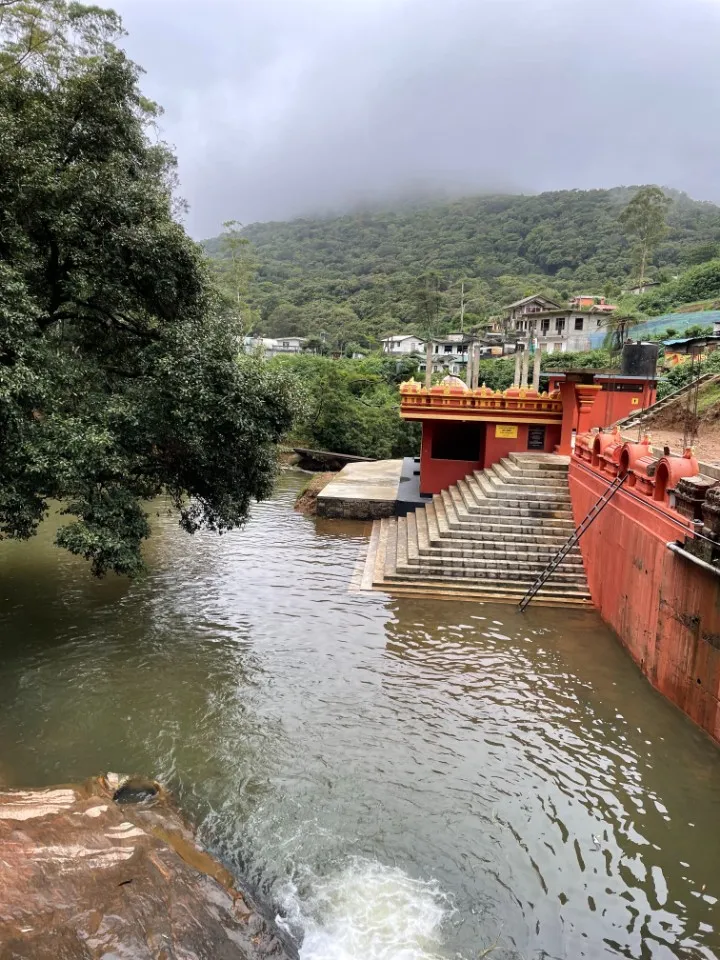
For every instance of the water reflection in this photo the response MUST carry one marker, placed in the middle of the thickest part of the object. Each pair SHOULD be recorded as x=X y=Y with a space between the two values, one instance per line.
x=499 y=777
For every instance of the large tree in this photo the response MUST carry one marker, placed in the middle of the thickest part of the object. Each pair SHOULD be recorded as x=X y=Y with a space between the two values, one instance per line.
x=119 y=374
x=644 y=220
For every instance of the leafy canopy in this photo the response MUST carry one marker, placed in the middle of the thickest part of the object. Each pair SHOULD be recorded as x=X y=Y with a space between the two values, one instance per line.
x=119 y=369
x=373 y=263
x=645 y=221
x=353 y=406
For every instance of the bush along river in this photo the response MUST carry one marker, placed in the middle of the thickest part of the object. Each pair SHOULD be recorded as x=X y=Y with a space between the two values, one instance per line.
x=397 y=779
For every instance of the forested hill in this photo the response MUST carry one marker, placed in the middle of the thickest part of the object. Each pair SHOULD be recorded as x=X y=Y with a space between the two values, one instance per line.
x=358 y=273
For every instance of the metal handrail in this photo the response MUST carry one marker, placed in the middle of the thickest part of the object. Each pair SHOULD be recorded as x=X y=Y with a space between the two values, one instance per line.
x=572 y=541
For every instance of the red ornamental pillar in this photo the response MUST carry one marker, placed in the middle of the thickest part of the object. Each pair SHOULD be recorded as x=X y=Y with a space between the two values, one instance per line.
x=569 y=407
x=586 y=394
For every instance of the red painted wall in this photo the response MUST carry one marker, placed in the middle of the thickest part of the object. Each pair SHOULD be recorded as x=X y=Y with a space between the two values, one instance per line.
x=665 y=609
x=613 y=405
x=437 y=475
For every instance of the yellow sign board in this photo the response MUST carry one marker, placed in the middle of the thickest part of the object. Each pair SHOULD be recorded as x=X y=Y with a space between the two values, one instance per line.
x=508 y=431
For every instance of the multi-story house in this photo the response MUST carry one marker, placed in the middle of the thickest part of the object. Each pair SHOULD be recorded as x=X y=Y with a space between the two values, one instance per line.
x=521 y=313
x=566 y=330
x=403 y=344
x=450 y=353
x=559 y=328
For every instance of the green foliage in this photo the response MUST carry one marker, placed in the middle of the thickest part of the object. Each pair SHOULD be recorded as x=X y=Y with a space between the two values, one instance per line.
x=49 y=36
x=700 y=254
x=119 y=374
x=644 y=219
x=372 y=264
x=694 y=285
x=618 y=326
x=588 y=360
x=353 y=406
x=682 y=374
x=235 y=268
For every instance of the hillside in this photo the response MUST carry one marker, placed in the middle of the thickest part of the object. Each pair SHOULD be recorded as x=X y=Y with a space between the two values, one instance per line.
x=357 y=274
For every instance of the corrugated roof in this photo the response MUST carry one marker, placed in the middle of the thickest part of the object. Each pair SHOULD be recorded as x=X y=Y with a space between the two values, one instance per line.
x=710 y=338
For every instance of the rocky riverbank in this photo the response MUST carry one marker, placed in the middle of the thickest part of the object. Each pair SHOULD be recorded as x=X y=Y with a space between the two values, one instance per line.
x=109 y=868
x=306 y=501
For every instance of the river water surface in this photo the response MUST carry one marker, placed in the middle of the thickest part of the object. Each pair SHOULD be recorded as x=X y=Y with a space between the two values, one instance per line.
x=400 y=779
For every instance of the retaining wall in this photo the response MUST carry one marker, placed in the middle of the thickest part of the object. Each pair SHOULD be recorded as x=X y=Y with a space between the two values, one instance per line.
x=664 y=607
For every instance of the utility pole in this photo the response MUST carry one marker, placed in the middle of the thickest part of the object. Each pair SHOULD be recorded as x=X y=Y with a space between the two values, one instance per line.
x=462 y=307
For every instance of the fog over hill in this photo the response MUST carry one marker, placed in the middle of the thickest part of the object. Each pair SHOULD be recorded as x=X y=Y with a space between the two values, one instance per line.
x=279 y=108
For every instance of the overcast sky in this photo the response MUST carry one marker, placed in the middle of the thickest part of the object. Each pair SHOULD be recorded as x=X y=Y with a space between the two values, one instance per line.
x=279 y=108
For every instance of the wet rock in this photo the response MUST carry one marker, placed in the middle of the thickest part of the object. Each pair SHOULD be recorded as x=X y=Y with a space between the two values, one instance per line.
x=137 y=790
x=83 y=876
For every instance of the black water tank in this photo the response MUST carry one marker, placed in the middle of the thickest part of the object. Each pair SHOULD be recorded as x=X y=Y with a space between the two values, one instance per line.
x=639 y=360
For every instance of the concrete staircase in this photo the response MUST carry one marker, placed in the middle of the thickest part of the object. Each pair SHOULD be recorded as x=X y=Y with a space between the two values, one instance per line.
x=486 y=538
x=642 y=416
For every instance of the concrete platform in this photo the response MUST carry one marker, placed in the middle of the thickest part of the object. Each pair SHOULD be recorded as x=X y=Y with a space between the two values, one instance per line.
x=362 y=491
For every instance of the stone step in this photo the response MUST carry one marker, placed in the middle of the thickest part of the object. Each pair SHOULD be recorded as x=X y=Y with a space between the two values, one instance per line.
x=389 y=533
x=520 y=548
x=484 y=518
x=508 y=473
x=485 y=484
x=489 y=537
x=492 y=570
x=482 y=569
x=547 y=462
x=536 y=542
x=485 y=489
x=413 y=544
x=510 y=586
x=494 y=507
x=530 y=469
x=461 y=591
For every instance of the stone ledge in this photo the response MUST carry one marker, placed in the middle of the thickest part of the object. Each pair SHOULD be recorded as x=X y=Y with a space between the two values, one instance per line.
x=362 y=491
x=109 y=867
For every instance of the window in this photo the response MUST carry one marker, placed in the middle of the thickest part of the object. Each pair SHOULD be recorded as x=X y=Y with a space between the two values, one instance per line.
x=578 y=323
x=286 y=343
x=448 y=349
x=560 y=324
x=437 y=348
x=544 y=326
x=460 y=349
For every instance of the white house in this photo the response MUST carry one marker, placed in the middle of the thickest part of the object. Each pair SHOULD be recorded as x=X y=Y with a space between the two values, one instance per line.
x=450 y=353
x=560 y=328
x=520 y=315
x=271 y=346
x=403 y=344
x=565 y=329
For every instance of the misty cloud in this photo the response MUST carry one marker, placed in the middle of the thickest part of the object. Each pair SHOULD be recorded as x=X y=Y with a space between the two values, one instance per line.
x=279 y=108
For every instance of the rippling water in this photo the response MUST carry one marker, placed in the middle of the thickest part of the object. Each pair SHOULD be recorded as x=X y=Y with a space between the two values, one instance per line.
x=401 y=779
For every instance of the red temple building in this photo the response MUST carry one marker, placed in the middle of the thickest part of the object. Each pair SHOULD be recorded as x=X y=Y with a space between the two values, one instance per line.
x=465 y=429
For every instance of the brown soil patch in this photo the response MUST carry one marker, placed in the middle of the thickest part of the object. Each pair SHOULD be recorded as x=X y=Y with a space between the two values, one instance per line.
x=706 y=445
x=307 y=498
x=288 y=458
x=667 y=426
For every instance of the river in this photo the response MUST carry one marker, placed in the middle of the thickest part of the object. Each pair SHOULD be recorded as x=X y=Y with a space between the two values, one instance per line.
x=402 y=780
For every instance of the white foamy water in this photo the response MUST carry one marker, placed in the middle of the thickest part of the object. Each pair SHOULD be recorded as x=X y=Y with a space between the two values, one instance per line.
x=368 y=911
